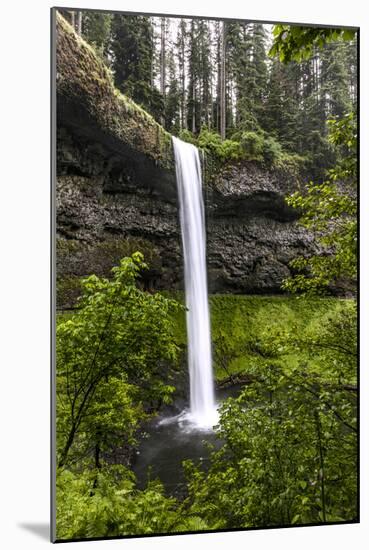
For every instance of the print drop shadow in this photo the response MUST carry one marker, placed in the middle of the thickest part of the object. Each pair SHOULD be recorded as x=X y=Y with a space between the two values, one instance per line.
x=42 y=530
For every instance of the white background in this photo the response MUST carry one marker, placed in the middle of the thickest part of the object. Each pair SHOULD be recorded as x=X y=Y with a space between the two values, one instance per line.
x=24 y=272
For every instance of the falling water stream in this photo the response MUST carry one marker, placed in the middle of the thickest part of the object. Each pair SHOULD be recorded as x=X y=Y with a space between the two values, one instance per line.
x=203 y=411
x=171 y=439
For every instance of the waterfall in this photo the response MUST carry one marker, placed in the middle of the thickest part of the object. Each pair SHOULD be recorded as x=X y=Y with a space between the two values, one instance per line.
x=192 y=218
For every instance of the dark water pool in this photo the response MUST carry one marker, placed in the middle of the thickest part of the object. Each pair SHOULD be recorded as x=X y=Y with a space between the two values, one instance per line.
x=168 y=441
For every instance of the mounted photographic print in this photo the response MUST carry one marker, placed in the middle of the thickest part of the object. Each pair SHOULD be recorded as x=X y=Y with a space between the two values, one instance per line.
x=204 y=181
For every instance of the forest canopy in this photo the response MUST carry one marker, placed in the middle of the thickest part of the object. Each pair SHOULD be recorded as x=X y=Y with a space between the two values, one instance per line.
x=264 y=89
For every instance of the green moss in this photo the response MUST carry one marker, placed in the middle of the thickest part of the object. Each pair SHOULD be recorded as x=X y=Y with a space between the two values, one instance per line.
x=68 y=289
x=76 y=259
x=108 y=253
x=291 y=163
x=84 y=79
x=244 y=328
x=67 y=246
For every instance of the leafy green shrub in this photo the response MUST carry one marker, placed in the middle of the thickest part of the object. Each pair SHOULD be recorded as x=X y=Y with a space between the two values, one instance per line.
x=105 y=502
x=290 y=444
x=329 y=210
x=291 y=162
x=231 y=150
x=210 y=141
x=252 y=145
x=224 y=151
x=243 y=145
x=272 y=150
x=115 y=360
x=187 y=136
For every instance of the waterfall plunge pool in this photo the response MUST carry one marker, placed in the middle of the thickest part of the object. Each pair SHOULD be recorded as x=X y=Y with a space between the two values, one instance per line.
x=168 y=441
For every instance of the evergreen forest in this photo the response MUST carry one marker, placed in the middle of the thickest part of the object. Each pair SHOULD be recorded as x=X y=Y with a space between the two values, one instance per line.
x=202 y=79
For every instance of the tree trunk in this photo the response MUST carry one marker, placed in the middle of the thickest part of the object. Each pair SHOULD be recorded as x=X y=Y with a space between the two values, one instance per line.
x=210 y=111
x=162 y=57
x=67 y=447
x=162 y=65
x=193 y=108
x=97 y=456
x=153 y=46
x=223 y=83
x=97 y=466
x=183 y=91
x=183 y=100
x=79 y=23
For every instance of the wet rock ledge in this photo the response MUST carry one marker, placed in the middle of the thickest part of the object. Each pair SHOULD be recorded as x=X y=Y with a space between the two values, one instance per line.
x=128 y=141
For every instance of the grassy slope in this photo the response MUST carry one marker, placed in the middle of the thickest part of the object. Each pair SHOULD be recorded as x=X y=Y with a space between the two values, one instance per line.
x=244 y=329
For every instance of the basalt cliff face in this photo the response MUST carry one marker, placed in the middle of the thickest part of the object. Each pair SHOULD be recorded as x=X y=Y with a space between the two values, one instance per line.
x=116 y=193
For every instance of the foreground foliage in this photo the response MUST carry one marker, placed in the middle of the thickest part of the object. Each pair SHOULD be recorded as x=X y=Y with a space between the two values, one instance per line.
x=295 y=43
x=288 y=453
x=115 y=360
x=290 y=440
x=106 y=503
x=289 y=456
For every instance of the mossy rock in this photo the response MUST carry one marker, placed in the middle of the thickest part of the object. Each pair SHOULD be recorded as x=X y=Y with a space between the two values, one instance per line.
x=88 y=101
x=77 y=259
x=68 y=290
x=101 y=256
